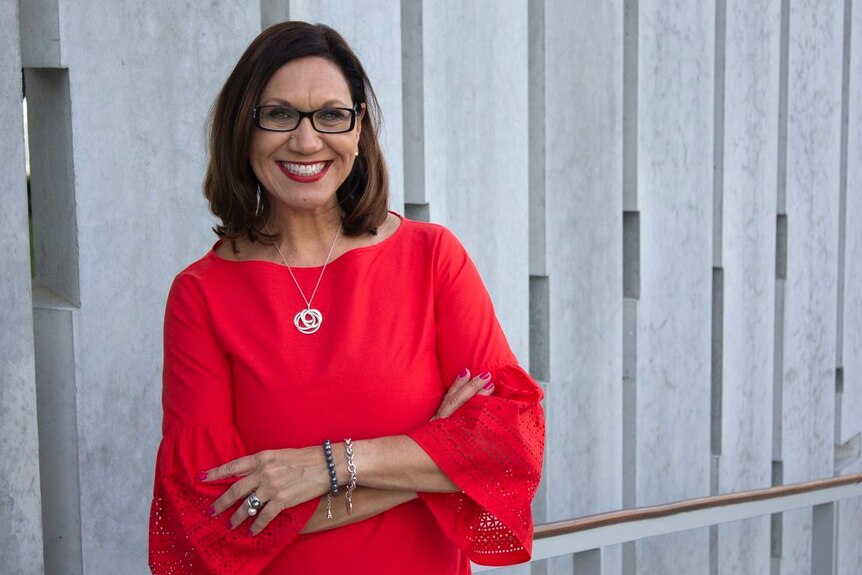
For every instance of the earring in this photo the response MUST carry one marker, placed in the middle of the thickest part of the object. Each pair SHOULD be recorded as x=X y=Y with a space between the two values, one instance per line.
x=259 y=206
x=356 y=154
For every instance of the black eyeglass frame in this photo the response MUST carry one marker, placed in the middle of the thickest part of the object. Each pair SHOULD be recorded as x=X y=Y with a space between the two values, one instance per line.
x=310 y=115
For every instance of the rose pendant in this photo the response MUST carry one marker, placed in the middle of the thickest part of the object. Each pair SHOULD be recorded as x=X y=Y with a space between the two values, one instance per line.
x=308 y=320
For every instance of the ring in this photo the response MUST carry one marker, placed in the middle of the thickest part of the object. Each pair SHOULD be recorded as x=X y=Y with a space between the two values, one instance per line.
x=253 y=504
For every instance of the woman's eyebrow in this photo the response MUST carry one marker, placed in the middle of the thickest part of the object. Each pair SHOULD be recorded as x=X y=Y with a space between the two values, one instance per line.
x=332 y=103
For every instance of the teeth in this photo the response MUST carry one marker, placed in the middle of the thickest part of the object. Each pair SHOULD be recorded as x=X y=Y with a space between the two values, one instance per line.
x=304 y=169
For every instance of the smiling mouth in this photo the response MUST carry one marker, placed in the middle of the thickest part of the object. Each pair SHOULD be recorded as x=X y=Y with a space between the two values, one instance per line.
x=303 y=170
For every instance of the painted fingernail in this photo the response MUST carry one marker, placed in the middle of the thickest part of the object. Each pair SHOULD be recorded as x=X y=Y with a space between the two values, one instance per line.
x=489 y=386
x=464 y=372
x=229 y=524
x=202 y=476
x=485 y=375
x=210 y=511
x=250 y=532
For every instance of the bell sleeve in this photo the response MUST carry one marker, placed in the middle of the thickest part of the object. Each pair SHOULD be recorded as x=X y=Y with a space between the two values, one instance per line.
x=492 y=447
x=198 y=434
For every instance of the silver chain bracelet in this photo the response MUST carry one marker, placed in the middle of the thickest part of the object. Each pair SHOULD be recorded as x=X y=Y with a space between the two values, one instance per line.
x=351 y=468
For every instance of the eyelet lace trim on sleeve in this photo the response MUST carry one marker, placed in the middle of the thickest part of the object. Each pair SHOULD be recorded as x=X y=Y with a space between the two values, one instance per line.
x=492 y=449
x=184 y=540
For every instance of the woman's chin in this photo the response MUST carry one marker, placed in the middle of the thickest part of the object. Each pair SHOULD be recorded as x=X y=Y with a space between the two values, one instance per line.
x=306 y=202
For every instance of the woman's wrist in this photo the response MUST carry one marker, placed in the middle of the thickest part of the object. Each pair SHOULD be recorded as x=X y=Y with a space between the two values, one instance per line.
x=398 y=463
x=339 y=459
x=340 y=473
x=392 y=463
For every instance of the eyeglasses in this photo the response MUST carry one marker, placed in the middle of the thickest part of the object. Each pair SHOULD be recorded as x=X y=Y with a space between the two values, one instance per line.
x=287 y=119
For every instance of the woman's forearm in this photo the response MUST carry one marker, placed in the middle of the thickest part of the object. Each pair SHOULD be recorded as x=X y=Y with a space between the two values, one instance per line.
x=367 y=503
x=393 y=463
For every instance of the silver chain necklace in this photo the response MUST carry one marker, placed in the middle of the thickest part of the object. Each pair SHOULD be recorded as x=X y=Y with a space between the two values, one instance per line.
x=308 y=320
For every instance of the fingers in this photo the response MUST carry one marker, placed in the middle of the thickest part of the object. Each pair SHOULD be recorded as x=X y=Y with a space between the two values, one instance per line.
x=487 y=389
x=240 y=515
x=484 y=385
x=237 y=467
x=460 y=381
x=235 y=492
x=240 y=491
x=452 y=398
x=267 y=514
x=269 y=510
x=278 y=478
x=462 y=390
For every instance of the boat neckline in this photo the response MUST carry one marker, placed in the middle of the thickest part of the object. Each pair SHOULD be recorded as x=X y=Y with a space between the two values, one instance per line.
x=362 y=249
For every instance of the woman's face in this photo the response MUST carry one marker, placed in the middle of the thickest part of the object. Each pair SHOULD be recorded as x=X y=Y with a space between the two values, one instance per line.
x=302 y=169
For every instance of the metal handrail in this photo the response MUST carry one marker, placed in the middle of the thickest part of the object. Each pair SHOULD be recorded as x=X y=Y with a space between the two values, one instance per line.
x=639 y=513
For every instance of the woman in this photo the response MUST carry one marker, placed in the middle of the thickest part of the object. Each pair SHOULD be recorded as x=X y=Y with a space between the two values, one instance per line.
x=307 y=423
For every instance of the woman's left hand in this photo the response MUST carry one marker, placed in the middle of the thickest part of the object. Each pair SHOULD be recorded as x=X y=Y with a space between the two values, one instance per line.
x=280 y=478
x=462 y=390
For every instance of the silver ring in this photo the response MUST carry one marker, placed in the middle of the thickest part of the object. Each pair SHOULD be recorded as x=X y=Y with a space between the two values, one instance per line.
x=253 y=504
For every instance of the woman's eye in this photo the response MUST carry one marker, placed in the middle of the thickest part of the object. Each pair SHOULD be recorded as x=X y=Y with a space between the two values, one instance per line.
x=280 y=114
x=331 y=115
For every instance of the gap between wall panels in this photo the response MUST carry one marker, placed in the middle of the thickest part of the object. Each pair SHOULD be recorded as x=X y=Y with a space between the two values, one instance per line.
x=776 y=532
x=631 y=269
x=717 y=336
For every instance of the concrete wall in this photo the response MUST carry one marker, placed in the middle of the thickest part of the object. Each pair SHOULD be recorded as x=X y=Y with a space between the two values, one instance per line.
x=744 y=228
x=20 y=505
x=575 y=258
x=663 y=198
x=848 y=429
x=810 y=202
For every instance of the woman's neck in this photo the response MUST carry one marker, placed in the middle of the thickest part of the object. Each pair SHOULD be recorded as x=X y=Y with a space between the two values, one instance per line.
x=305 y=239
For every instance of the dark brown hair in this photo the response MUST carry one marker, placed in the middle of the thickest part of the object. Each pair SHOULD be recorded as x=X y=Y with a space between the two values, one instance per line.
x=230 y=184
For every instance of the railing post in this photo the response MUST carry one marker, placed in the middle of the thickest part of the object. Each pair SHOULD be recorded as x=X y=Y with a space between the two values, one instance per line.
x=823 y=539
x=588 y=562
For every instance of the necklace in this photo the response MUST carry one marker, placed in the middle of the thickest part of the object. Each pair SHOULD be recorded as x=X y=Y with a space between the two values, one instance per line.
x=308 y=320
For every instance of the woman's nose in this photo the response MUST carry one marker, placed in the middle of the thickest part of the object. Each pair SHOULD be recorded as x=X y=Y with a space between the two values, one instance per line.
x=304 y=139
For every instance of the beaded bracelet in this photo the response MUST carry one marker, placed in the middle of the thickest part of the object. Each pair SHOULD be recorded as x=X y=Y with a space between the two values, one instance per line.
x=351 y=468
x=333 y=479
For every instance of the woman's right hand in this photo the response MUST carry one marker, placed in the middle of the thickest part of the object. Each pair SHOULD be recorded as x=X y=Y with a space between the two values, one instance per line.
x=462 y=390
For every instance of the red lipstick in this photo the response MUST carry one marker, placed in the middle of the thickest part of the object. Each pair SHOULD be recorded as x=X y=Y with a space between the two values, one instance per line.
x=304 y=179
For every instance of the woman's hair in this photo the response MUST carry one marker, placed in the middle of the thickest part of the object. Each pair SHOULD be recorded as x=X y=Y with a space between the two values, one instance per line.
x=230 y=184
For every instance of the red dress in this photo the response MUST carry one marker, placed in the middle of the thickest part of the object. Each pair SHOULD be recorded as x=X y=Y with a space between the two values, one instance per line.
x=400 y=320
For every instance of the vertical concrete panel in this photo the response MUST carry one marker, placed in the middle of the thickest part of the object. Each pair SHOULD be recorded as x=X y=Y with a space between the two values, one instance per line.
x=20 y=507
x=522 y=569
x=823 y=538
x=675 y=163
x=142 y=79
x=851 y=401
x=413 y=112
x=476 y=143
x=849 y=560
x=373 y=29
x=849 y=523
x=536 y=131
x=813 y=160
x=750 y=148
x=54 y=334
x=273 y=12
x=583 y=187
x=39 y=25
